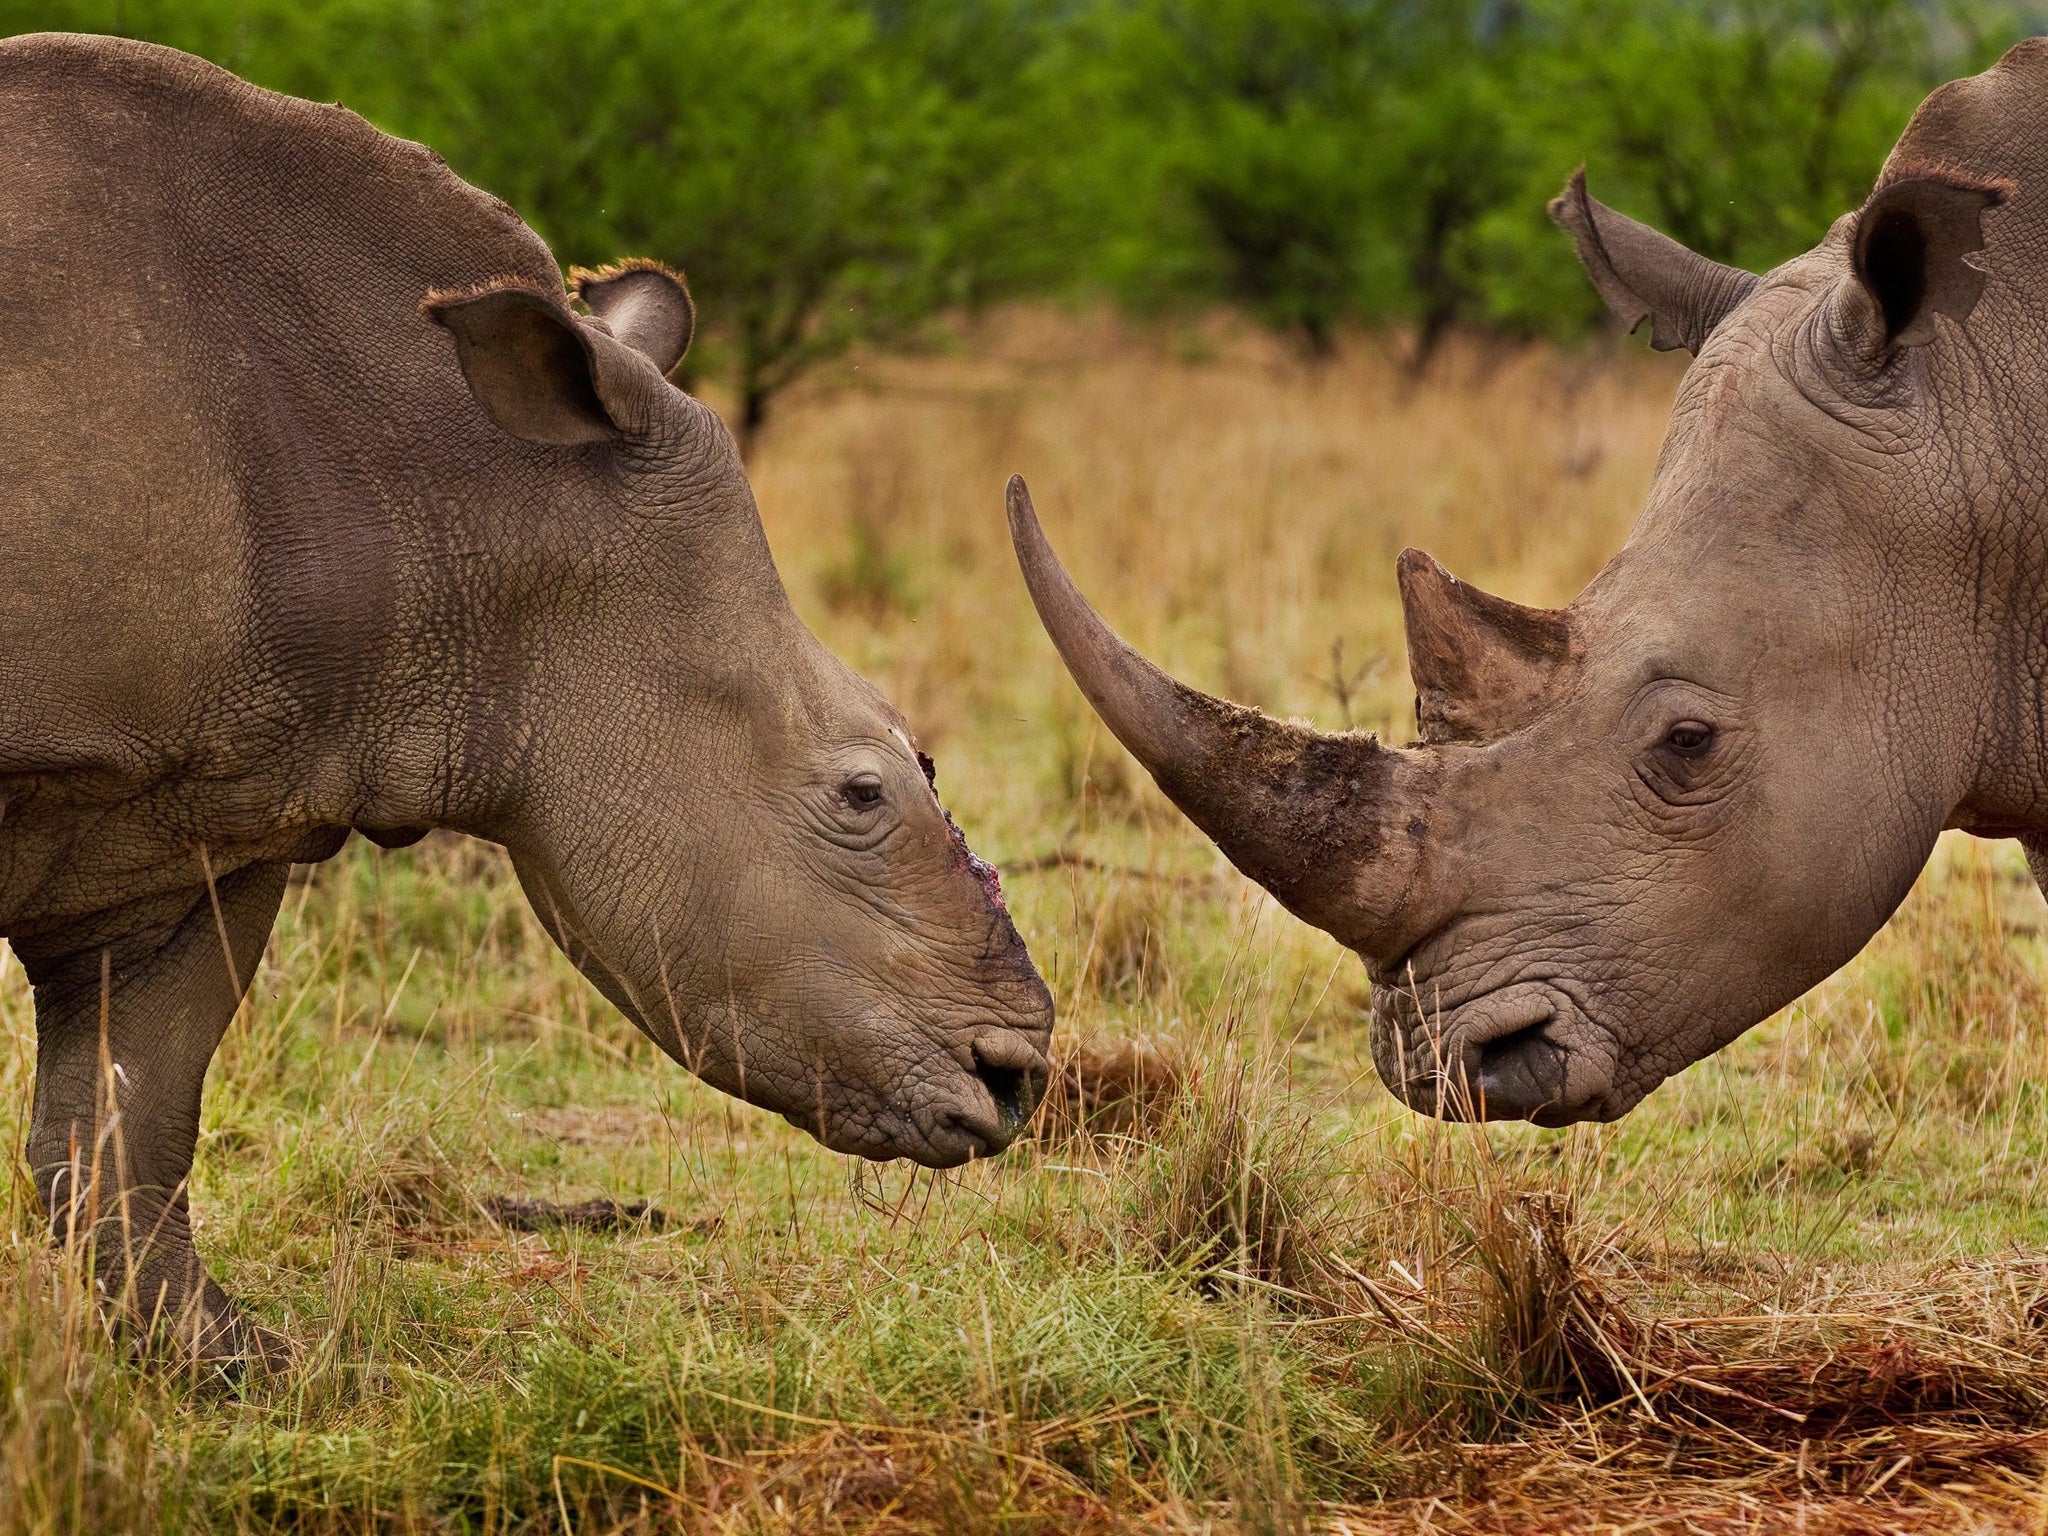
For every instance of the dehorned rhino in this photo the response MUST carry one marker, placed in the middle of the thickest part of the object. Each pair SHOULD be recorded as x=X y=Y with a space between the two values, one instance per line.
x=325 y=510
x=1634 y=827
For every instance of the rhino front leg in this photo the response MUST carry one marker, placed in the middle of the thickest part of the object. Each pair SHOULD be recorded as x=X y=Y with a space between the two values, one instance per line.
x=2037 y=860
x=130 y=1006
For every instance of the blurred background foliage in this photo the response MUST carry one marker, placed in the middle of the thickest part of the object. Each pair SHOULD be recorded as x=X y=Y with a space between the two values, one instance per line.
x=832 y=172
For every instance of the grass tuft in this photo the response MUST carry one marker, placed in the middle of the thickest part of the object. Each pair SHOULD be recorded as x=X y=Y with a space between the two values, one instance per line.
x=1235 y=1189
x=1126 y=953
x=79 y=1448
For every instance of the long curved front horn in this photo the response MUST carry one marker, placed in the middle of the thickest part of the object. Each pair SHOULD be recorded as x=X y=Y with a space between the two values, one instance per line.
x=1329 y=824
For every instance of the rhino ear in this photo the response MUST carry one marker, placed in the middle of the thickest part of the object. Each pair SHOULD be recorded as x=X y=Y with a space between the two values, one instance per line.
x=1483 y=666
x=1914 y=241
x=1643 y=274
x=531 y=364
x=643 y=304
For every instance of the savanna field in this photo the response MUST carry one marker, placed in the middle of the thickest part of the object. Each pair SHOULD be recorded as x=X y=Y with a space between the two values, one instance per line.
x=1230 y=1285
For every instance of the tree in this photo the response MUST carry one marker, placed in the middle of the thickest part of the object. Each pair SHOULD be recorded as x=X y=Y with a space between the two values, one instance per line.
x=799 y=172
x=1741 y=127
x=1448 y=158
x=1242 y=128
x=835 y=172
x=1312 y=161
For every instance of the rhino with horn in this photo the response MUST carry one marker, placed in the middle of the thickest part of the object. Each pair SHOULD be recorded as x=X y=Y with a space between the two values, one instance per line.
x=1634 y=827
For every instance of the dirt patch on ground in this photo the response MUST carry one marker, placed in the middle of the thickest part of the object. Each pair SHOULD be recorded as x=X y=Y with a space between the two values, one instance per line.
x=524 y=1214
x=576 y=1125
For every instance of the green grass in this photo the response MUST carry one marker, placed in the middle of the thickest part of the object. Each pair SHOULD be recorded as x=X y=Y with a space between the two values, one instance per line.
x=1279 y=1303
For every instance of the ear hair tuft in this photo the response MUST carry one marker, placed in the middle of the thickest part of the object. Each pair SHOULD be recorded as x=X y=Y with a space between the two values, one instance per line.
x=1995 y=190
x=439 y=300
x=644 y=304
x=582 y=277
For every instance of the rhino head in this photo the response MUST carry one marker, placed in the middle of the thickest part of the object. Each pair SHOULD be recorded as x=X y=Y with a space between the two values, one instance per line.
x=1634 y=827
x=733 y=835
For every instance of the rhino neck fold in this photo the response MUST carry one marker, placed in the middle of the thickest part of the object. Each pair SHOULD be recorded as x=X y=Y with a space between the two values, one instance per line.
x=584 y=610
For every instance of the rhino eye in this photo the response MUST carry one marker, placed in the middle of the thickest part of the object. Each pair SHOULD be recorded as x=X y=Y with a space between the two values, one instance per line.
x=1689 y=738
x=863 y=792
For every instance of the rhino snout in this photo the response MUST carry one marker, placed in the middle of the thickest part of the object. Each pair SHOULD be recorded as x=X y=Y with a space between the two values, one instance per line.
x=1526 y=1051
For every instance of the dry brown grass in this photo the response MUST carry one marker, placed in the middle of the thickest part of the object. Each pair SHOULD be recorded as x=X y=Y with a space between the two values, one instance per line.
x=1235 y=511
x=1236 y=514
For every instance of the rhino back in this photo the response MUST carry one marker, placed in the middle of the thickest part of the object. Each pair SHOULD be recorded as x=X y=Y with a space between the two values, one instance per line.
x=230 y=428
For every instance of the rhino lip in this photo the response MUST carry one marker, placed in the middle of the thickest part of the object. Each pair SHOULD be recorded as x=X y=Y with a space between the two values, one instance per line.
x=1014 y=1074
x=1014 y=1095
x=979 y=1110
x=1501 y=1056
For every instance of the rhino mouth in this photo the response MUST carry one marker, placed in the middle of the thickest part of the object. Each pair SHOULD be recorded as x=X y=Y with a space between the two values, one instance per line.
x=975 y=1101
x=983 y=1110
x=1524 y=1051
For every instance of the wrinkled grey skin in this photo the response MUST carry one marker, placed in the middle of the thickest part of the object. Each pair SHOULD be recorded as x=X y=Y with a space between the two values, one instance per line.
x=1635 y=827
x=289 y=549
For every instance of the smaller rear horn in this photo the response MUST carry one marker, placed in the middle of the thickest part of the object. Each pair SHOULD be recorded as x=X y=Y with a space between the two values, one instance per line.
x=1483 y=667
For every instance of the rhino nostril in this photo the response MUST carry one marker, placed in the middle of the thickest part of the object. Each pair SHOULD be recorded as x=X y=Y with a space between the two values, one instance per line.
x=1520 y=1075
x=1014 y=1089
